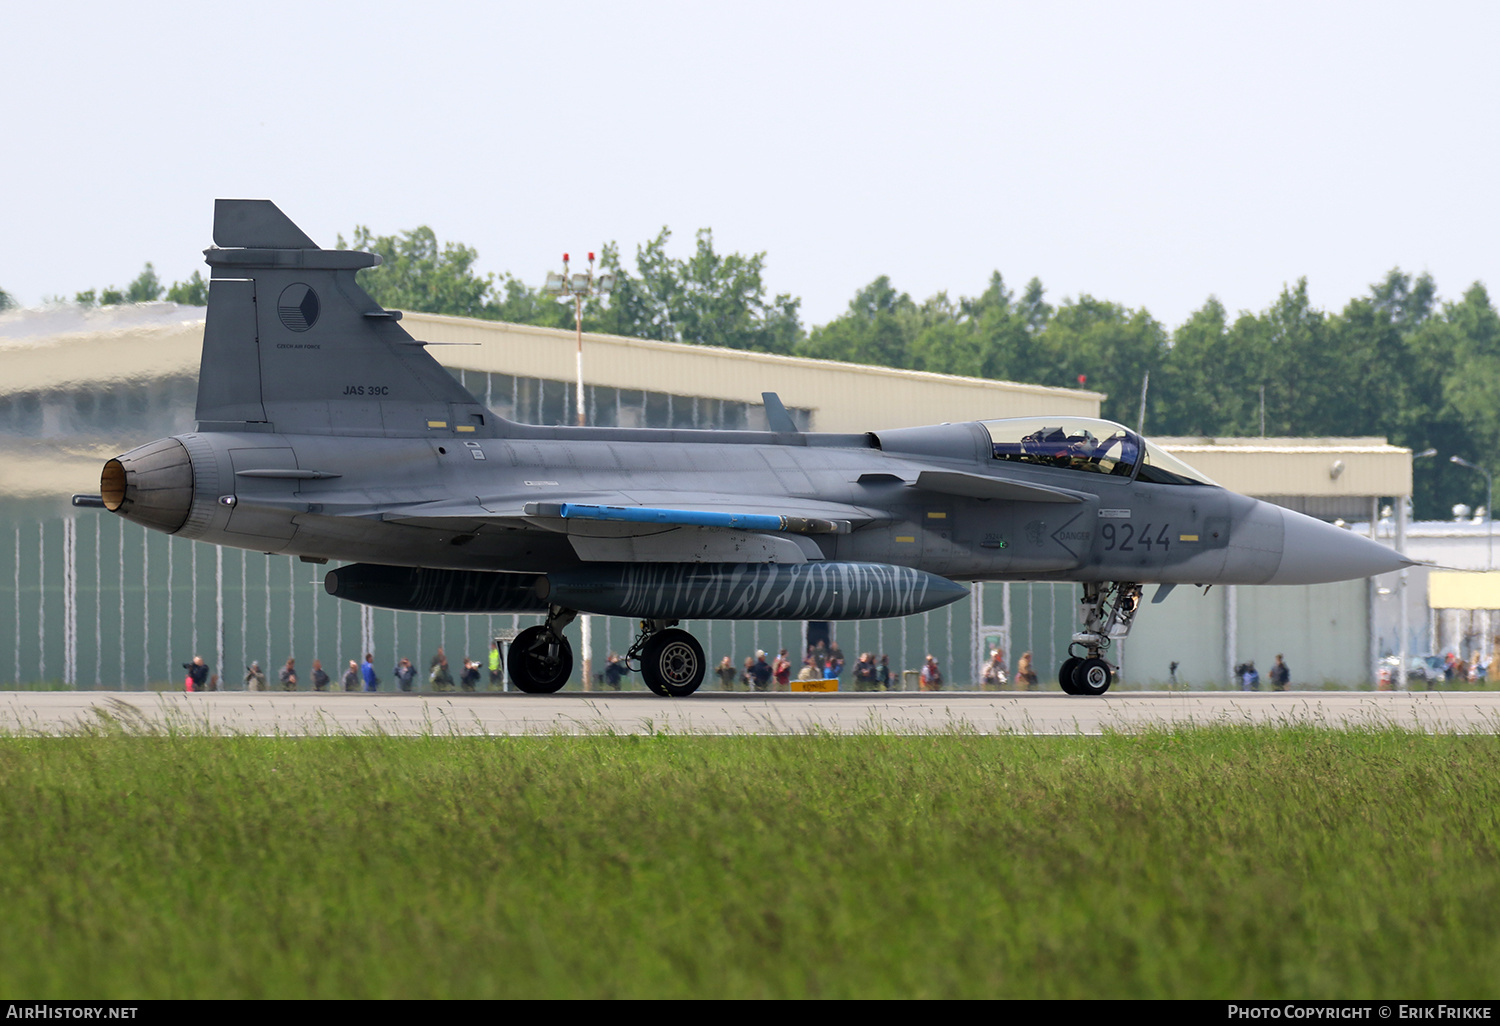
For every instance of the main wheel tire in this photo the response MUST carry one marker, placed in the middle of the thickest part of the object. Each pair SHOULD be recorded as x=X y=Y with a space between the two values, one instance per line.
x=1093 y=677
x=1065 y=674
x=536 y=666
x=672 y=663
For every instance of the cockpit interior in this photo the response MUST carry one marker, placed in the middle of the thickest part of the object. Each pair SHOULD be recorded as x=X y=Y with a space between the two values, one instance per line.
x=1088 y=446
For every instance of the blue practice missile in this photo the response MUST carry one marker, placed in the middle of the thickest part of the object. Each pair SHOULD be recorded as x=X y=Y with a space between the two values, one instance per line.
x=686 y=517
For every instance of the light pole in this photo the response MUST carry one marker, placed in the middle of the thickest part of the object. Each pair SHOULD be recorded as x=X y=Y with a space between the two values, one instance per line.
x=1489 y=514
x=1403 y=514
x=578 y=287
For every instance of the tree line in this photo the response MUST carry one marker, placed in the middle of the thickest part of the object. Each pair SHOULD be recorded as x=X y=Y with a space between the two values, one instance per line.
x=1398 y=362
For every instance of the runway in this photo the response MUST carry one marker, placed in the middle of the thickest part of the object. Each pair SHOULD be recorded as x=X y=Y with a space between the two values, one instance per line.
x=263 y=713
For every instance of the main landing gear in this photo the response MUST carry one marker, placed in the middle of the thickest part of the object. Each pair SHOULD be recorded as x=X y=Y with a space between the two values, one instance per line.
x=1108 y=610
x=541 y=659
x=671 y=660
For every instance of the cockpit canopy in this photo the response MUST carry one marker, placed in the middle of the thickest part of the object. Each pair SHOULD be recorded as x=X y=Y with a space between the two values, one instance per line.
x=1090 y=446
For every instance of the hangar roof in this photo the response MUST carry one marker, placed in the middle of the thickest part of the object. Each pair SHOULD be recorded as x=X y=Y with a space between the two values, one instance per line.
x=1338 y=469
x=842 y=396
x=64 y=346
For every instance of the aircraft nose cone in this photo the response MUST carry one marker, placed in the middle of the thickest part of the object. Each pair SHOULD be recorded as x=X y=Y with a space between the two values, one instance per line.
x=1313 y=552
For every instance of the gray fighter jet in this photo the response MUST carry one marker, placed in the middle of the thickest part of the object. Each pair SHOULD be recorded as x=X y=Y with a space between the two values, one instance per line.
x=328 y=432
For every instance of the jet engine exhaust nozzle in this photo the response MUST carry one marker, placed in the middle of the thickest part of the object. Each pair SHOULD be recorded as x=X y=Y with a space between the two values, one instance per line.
x=150 y=485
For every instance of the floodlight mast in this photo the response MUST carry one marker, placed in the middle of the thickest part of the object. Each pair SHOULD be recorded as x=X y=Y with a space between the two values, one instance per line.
x=1402 y=516
x=1489 y=498
x=579 y=287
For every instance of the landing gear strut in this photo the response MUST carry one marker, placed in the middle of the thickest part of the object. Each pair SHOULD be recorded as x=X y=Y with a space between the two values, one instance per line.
x=541 y=659
x=670 y=660
x=1108 y=610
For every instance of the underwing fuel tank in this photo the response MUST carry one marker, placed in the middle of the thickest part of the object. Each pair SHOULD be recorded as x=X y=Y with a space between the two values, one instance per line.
x=423 y=590
x=657 y=591
x=750 y=591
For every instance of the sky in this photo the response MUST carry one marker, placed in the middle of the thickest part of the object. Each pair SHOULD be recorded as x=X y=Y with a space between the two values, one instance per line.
x=1151 y=154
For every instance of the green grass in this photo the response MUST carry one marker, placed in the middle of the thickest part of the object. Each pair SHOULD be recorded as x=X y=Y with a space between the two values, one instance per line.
x=1222 y=862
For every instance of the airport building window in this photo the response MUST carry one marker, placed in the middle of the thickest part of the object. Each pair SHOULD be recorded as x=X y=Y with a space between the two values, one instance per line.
x=548 y=402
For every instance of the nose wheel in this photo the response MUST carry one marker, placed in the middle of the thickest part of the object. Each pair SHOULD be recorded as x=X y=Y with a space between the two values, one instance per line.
x=1065 y=674
x=1108 y=611
x=1092 y=677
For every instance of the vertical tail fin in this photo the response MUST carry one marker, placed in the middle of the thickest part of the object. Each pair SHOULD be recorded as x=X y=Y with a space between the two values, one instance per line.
x=293 y=345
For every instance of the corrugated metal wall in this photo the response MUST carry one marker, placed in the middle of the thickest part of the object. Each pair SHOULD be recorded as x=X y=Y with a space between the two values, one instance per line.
x=1323 y=630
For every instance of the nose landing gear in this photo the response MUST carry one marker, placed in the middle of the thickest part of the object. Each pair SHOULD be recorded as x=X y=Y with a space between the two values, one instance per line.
x=1108 y=610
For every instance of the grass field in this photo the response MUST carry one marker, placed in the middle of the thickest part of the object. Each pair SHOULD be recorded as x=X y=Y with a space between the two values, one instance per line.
x=1224 y=862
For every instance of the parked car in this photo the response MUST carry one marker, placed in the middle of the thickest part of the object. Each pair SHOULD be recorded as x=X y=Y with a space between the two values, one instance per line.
x=1419 y=668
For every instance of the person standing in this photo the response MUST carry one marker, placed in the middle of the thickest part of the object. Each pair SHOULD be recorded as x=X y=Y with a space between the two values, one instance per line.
x=1025 y=673
x=932 y=677
x=993 y=677
x=781 y=671
x=469 y=679
x=1249 y=678
x=760 y=671
x=289 y=675
x=320 y=679
x=883 y=674
x=726 y=674
x=197 y=674
x=440 y=678
x=496 y=675
x=367 y=672
x=614 y=670
x=404 y=673
x=1281 y=674
x=864 y=672
x=255 y=680
x=351 y=677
